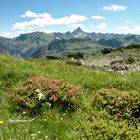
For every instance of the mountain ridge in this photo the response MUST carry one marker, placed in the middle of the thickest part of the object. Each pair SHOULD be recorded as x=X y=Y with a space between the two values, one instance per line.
x=26 y=45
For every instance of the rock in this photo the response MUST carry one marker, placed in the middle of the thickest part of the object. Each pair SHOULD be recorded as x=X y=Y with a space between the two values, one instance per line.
x=116 y=62
x=120 y=68
x=130 y=60
x=126 y=68
x=117 y=68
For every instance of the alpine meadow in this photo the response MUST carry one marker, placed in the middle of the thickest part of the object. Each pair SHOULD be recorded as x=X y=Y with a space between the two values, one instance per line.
x=70 y=70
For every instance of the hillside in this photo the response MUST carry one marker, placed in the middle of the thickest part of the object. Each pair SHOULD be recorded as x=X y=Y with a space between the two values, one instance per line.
x=120 y=41
x=90 y=120
x=122 y=59
x=61 y=48
x=24 y=45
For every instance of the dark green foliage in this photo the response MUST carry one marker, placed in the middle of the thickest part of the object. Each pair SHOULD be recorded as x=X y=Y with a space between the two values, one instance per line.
x=53 y=57
x=77 y=55
x=136 y=46
x=107 y=50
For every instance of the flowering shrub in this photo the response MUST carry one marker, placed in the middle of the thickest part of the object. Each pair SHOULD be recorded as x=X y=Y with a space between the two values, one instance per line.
x=37 y=92
x=121 y=104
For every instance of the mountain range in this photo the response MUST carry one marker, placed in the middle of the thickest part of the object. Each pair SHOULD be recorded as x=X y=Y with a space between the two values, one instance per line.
x=40 y=44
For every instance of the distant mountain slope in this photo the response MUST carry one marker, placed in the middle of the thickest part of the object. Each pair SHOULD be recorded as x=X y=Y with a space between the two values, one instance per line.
x=25 y=45
x=120 y=41
x=64 y=47
x=39 y=44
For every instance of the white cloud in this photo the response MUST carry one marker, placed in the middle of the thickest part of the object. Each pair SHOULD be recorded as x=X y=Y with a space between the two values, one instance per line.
x=133 y=29
x=46 y=30
x=6 y=34
x=98 y=17
x=114 y=8
x=29 y=14
x=102 y=26
x=42 y=20
x=93 y=26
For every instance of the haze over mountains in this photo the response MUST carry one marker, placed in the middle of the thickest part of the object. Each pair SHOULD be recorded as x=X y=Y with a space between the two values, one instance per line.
x=39 y=44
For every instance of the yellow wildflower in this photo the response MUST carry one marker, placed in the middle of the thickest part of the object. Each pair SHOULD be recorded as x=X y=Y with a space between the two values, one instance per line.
x=24 y=112
x=1 y=122
x=61 y=119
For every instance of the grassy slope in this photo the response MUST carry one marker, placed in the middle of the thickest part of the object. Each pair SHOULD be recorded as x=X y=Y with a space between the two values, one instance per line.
x=63 y=125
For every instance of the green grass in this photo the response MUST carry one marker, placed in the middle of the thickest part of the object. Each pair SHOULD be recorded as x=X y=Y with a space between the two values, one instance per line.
x=85 y=123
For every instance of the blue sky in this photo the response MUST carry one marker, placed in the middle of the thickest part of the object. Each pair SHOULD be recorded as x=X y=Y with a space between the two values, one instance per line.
x=113 y=16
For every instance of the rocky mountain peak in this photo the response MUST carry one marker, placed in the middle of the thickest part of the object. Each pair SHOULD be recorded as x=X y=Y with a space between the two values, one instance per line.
x=78 y=30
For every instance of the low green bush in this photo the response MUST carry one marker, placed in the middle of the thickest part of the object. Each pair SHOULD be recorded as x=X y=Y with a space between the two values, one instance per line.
x=107 y=50
x=77 y=55
x=123 y=105
x=136 y=46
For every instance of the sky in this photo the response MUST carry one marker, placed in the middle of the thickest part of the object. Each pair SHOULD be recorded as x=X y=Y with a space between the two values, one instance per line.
x=105 y=16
